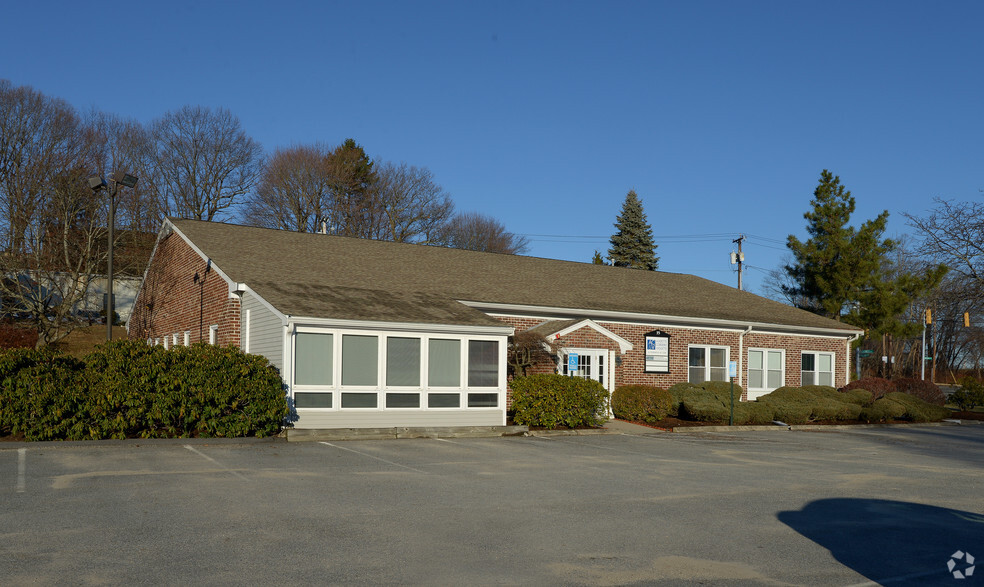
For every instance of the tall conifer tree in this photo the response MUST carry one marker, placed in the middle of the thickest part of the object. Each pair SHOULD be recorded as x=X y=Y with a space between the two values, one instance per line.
x=845 y=272
x=632 y=244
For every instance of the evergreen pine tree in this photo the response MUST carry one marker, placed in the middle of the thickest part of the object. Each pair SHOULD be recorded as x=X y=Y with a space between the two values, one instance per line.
x=598 y=259
x=632 y=244
x=843 y=272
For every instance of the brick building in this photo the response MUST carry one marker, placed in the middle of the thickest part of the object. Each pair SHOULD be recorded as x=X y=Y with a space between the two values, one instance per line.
x=373 y=334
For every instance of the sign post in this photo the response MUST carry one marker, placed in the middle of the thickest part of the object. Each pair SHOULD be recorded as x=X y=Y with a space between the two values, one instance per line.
x=732 y=373
x=572 y=363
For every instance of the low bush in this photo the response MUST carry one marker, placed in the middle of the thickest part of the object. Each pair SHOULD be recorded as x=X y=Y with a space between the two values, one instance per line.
x=970 y=394
x=710 y=401
x=127 y=389
x=876 y=385
x=925 y=390
x=557 y=401
x=916 y=409
x=882 y=410
x=641 y=403
x=40 y=397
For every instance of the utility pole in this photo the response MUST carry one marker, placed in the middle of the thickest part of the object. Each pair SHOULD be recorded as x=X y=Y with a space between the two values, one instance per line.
x=738 y=258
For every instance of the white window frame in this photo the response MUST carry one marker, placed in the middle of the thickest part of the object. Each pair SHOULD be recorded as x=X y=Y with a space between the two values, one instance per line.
x=213 y=334
x=765 y=370
x=381 y=388
x=707 y=363
x=816 y=362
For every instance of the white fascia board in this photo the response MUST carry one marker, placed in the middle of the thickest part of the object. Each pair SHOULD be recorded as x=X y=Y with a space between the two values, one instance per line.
x=623 y=345
x=662 y=319
x=504 y=330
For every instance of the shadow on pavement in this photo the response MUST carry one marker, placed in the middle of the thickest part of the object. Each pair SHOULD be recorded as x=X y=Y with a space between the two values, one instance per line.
x=894 y=542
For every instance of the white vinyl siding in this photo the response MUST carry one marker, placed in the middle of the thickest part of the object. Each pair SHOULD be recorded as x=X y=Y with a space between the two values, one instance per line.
x=265 y=331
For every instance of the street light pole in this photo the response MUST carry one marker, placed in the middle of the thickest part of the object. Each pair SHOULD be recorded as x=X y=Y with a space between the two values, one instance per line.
x=96 y=183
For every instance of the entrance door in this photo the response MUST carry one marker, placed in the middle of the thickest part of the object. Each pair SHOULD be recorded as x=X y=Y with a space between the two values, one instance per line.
x=591 y=364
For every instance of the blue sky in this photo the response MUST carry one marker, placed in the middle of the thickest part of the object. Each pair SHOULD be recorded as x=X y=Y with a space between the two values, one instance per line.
x=721 y=115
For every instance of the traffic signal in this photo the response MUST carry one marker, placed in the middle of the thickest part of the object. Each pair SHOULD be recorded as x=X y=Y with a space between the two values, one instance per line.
x=967 y=319
x=929 y=316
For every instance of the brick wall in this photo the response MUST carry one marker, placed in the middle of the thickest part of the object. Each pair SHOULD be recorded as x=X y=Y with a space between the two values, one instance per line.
x=632 y=368
x=171 y=300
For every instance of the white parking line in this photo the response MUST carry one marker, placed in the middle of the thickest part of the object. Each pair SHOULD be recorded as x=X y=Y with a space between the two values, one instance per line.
x=374 y=457
x=217 y=463
x=21 y=470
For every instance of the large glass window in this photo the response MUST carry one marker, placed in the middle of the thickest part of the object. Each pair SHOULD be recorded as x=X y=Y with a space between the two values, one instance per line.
x=402 y=362
x=443 y=400
x=360 y=360
x=402 y=400
x=359 y=400
x=444 y=363
x=483 y=363
x=312 y=359
x=818 y=369
x=765 y=369
x=312 y=400
x=708 y=364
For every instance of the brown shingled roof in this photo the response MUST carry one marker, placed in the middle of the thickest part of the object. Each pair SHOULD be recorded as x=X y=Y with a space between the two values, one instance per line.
x=315 y=275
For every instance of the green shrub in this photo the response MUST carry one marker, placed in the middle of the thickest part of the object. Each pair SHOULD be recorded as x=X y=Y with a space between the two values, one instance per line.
x=43 y=400
x=917 y=409
x=882 y=410
x=641 y=403
x=902 y=406
x=799 y=405
x=753 y=413
x=925 y=390
x=556 y=401
x=127 y=388
x=861 y=397
x=709 y=401
x=970 y=394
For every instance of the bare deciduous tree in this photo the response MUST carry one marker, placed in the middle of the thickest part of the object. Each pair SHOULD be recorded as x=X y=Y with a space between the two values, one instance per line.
x=34 y=132
x=203 y=162
x=953 y=234
x=480 y=232
x=294 y=190
x=411 y=205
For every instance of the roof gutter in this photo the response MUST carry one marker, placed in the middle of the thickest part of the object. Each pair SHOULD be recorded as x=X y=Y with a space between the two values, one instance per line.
x=661 y=319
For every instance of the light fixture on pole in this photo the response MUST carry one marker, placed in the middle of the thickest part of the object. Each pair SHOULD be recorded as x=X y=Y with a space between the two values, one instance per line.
x=97 y=183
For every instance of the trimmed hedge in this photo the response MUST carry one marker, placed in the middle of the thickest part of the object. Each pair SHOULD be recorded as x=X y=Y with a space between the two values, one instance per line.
x=710 y=401
x=902 y=406
x=558 y=401
x=641 y=403
x=800 y=405
x=129 y=389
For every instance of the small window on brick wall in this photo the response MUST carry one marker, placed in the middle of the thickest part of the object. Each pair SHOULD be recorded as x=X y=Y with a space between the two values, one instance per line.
x=213 y=334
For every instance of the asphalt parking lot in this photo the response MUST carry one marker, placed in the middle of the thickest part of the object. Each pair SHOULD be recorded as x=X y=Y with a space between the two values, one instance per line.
x=846 y=507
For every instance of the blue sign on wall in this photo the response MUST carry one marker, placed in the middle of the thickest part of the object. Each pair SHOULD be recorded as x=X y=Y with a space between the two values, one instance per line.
x=572 y=362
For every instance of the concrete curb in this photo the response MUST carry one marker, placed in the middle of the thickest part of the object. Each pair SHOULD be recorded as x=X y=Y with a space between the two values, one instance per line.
x=697 y=429
x=577 y=432
x=315 y=435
